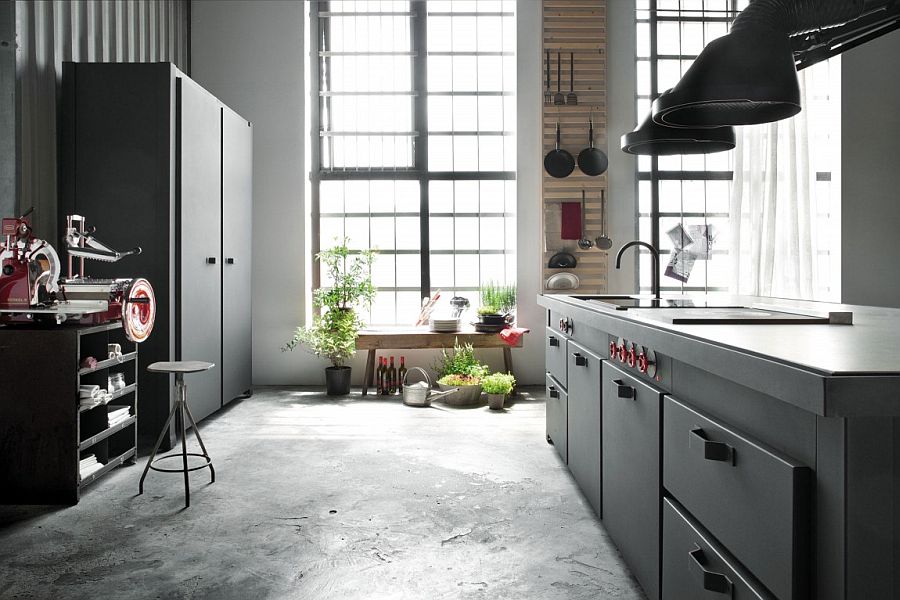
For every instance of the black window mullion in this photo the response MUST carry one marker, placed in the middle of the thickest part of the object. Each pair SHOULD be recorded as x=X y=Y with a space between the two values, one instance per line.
x=419 y=38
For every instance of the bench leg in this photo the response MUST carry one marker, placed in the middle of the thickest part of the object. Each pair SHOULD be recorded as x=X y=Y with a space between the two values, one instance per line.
x=507 y=360
x=370 y=372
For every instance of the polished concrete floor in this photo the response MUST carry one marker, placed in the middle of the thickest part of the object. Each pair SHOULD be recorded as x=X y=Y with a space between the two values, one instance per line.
x=330 y=499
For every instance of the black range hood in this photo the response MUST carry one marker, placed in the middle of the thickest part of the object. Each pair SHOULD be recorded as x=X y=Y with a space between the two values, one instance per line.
x=749 y=76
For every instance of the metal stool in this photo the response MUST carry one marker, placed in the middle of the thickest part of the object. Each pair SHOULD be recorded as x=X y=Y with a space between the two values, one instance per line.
x=181 y=407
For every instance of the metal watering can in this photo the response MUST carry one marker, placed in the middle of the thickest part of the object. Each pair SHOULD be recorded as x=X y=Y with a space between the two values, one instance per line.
x=420 y=392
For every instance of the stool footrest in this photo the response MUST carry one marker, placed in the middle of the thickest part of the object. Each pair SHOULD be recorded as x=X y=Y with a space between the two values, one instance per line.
x=208 y=463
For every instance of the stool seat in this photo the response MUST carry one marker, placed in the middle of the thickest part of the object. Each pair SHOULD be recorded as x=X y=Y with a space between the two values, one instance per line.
x=180 y=366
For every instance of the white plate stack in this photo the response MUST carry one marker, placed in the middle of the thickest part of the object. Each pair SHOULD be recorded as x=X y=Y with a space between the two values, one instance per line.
x=444 y=325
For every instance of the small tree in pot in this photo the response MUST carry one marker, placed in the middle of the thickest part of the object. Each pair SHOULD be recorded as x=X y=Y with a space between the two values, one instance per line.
x=333 y=332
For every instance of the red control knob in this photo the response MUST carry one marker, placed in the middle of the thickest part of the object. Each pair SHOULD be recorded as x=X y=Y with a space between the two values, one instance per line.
x=631 y=358
x=642 y=362
x=613 y=348
x=622 y=353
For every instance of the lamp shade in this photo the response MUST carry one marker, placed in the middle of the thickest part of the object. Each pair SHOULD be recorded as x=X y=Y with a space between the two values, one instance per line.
x=743 y=78
x=659 y=140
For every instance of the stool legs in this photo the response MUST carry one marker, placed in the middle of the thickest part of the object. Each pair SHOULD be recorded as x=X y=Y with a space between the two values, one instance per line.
x=184 y=411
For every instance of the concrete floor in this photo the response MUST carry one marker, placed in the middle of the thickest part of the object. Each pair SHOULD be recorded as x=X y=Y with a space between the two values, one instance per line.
x=319 y=498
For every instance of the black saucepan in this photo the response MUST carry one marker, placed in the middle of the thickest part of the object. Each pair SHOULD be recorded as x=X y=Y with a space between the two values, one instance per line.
x=592 y=161
x=558 y=162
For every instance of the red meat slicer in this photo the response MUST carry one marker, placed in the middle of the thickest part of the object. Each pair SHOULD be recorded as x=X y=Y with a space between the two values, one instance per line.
x=31 y=289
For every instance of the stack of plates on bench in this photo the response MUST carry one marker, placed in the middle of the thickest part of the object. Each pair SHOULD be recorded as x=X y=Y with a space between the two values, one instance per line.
x=444 y=325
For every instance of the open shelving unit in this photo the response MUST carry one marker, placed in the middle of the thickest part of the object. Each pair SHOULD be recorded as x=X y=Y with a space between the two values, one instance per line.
x=44 y=429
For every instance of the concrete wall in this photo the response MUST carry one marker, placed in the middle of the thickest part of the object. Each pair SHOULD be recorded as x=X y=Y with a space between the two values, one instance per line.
x=7 y=109
x=621 y=86
x=870 y=190
x=50 y=32
x=251 y=55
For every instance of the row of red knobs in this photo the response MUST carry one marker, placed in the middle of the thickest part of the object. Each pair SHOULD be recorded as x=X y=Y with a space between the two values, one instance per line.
x=629 y=357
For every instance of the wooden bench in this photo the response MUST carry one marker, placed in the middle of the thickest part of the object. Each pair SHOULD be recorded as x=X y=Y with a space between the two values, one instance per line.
x=421 y=338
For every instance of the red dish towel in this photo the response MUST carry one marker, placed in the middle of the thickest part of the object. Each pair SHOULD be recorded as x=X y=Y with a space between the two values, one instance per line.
x=571 y=221
x=512 y=335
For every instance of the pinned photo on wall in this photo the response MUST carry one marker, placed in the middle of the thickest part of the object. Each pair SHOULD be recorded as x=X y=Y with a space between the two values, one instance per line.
x=688 y=246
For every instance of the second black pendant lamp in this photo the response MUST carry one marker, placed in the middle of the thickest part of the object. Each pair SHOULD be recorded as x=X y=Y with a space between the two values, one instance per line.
x=658 y=140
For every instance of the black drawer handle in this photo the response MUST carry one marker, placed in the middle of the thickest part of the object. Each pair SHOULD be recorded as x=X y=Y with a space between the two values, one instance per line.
x=580 y=360
x=210 y=260
x=717 y=451
x=622 y=390
x=554 y=393
x=229 y=261
x=712 y=581
x=554 y=341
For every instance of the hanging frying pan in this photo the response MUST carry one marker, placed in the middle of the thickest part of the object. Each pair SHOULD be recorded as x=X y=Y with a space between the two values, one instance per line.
x=592 y=161
x=559 y=163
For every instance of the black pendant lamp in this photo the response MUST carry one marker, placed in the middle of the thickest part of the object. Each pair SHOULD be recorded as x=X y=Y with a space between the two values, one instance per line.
x=658 y=140
x=743 y=78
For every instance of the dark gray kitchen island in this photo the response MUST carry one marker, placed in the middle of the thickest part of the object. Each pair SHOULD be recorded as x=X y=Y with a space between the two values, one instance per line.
x=742 y=458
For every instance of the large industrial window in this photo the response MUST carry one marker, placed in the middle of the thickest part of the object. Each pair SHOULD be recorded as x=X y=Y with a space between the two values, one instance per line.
x=696 y=189
x=415 y=149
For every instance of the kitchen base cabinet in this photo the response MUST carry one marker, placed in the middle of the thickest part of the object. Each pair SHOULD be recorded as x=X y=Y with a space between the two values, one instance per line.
x=557 y=418
x=631 y=417
x=584 y=368
x=696 y=568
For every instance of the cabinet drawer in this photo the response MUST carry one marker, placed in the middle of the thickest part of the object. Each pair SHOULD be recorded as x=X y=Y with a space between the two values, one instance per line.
x=632 y=427
x=584 y=421
x=555 y=352
x=557 y=418
x=755 y=501
x=694 y=567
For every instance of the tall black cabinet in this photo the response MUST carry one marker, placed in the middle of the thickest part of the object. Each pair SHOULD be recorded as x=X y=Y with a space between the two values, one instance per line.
x=153 y=160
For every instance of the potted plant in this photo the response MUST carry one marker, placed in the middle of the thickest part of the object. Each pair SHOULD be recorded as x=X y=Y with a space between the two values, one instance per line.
x=497 y=386
x=498 y=302
x=334 y=331
x=460 y=369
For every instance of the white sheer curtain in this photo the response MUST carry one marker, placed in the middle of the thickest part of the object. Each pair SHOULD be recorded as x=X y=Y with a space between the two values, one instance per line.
x=774 y=209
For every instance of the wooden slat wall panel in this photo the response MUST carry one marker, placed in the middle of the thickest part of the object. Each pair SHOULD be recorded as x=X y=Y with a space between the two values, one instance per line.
x=577 y=26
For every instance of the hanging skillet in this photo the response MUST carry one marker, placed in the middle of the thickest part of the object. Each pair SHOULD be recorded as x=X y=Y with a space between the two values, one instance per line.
x=592 y=161
x=559 y=163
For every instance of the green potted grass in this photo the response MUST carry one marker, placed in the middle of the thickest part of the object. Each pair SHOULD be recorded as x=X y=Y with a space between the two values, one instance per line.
x=333 y=332
x=497 y=386
x=460 y=369
x=498 y=303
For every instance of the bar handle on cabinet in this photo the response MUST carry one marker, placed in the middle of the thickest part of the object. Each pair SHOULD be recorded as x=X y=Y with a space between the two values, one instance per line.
x=554 y=393
x=622 y=390
x=210 y=260
x=712 y=581
x=717 y=451
x=554 y=341
x=229 y=261
x=580 y=360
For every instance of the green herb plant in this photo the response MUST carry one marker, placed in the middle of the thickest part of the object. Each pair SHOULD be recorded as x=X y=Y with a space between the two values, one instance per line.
x=460 y=367
x=498 y=383
x=333 y=332
x=497 y=298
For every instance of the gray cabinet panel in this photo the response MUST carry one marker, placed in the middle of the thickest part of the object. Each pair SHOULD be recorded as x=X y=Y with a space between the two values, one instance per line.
x=631 y=472
x=696 y=568
x=754 y=501
x=555 y=354
x=584 y=429
x=237 y=225
x=199 y=212
x=557 y=418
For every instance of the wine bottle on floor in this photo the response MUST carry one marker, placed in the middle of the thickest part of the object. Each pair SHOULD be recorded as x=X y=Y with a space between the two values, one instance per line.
x=392 y=377
x=379 y=375
x=385 y=378
x=401 y=373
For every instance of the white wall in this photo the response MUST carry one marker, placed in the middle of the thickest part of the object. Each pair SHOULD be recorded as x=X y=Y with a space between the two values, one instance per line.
x=870 y=189
x=621 y=86
x=250 y=54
